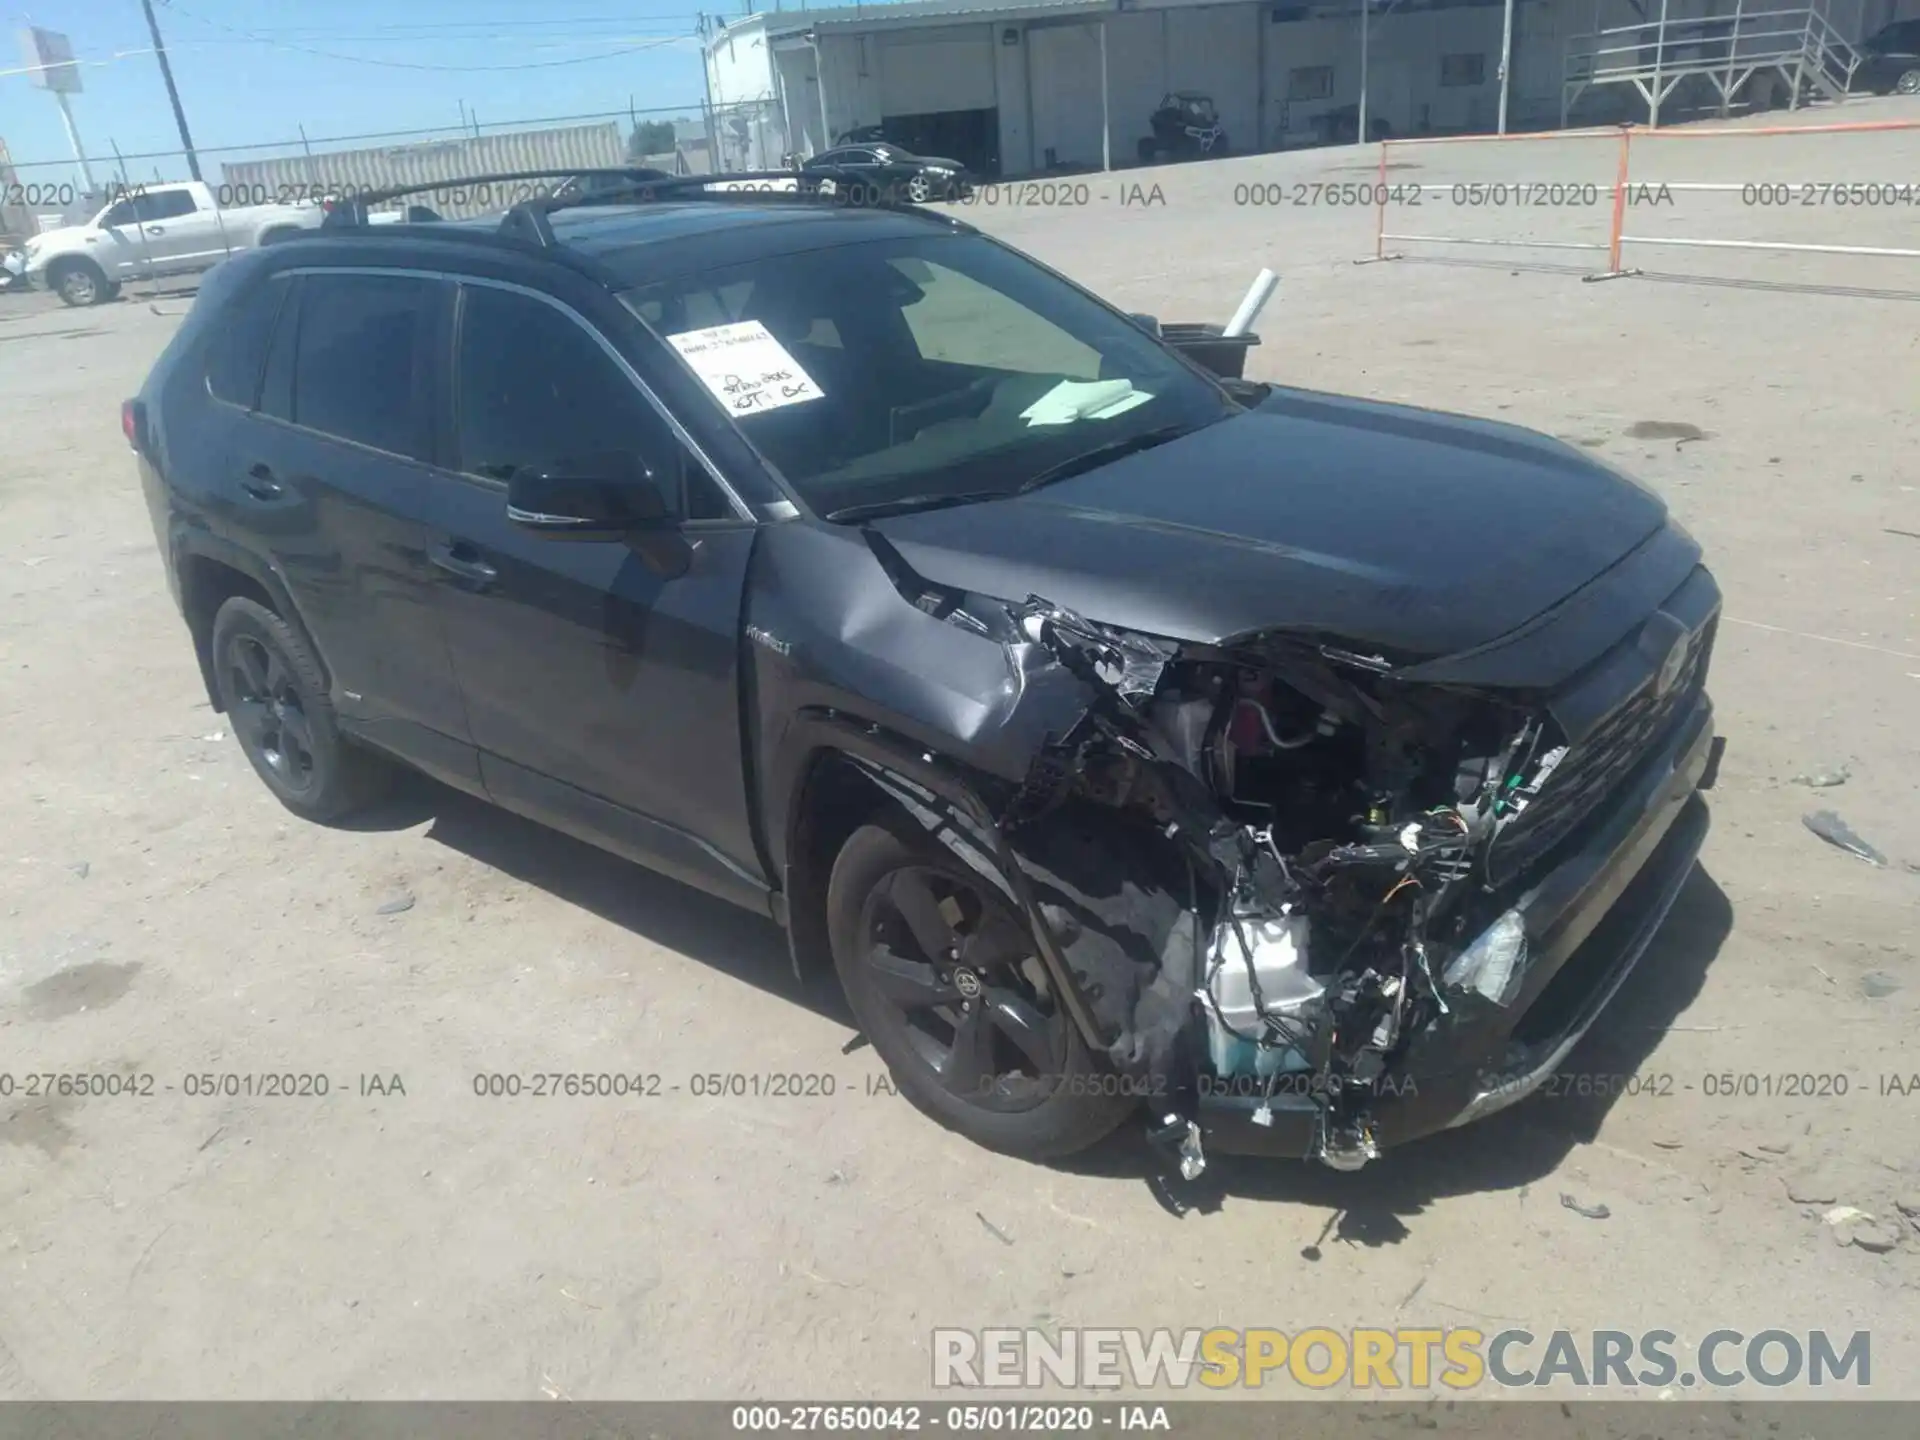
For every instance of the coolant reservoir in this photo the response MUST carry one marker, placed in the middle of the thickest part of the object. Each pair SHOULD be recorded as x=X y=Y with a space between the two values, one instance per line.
x=1276 y=946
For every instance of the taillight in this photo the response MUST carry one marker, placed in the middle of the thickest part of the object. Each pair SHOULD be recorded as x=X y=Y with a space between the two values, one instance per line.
x=132 y=418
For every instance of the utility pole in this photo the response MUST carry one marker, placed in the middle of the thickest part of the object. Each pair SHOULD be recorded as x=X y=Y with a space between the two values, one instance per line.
x=166 y=74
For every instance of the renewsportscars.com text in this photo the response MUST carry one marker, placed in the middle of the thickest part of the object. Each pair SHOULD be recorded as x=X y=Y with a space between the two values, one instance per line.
x=1457 y=1357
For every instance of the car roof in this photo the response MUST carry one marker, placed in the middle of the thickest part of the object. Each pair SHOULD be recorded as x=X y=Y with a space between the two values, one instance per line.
x=626 y=245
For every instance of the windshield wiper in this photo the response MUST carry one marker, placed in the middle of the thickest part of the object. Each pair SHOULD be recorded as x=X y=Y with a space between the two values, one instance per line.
x=1102 y=455
x=871 y=509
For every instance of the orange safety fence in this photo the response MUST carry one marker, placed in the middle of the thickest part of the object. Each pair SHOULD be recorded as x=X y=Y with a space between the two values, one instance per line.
x=1626 y=137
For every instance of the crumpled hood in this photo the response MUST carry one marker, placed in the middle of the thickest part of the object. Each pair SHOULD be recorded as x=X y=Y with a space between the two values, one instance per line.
x=1384 y=525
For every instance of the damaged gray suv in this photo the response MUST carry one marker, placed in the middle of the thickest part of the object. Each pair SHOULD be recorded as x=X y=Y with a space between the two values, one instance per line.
x=1300 y=773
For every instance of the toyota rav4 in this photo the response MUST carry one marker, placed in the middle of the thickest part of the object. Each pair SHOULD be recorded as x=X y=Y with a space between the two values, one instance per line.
x=1304 y=770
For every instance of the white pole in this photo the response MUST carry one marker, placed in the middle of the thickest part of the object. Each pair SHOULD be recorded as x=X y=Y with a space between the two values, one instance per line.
x=1506 y=62
x=1256 y=299
x=73 y=139
x=1361 y=132
x=1106 y=127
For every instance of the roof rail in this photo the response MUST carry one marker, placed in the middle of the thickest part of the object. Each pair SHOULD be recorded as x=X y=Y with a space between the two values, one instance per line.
x=630 y=185
x=352 y=209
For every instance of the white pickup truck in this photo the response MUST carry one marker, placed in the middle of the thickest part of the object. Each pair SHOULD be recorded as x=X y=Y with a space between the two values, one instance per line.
x=154 y=231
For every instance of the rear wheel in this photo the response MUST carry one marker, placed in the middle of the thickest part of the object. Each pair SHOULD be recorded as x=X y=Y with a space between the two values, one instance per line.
x=275 y=696
x=941 y=972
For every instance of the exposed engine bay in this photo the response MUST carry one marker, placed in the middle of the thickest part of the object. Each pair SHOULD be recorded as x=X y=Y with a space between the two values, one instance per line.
x=1323 y=832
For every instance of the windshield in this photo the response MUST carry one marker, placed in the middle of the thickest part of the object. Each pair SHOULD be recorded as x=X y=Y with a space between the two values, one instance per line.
x=922 y=370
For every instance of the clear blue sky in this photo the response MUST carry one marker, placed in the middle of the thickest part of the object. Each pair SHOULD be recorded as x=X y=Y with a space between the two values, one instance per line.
x=254 y=71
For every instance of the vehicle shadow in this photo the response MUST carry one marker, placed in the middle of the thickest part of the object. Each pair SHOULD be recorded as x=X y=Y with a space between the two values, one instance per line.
x=1505 y=1151
x=688 y=921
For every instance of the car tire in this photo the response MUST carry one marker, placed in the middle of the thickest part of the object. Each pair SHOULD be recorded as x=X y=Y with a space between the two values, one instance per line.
x=80 y=283
x=919 y=189
x=1057 y=1098
x=1908 y=83
x=275 y=697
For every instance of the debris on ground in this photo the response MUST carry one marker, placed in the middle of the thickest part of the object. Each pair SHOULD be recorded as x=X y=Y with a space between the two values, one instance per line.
x=1877 y=984
x=1678 y=431
x=1825 y=777
x=1853 y=1226
x=81 y=869
x=1591 y=1212
x=993 y=1229
x=396 y=905
x=1814 y=1189
x=1835 y=831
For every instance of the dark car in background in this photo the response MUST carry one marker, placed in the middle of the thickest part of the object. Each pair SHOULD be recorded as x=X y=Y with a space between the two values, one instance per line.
x=1890 y=60
x=887 y=170
x=1305 y=770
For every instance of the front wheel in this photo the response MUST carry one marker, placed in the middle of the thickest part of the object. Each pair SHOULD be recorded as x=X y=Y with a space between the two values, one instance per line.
x=940 y=970
x=81 y=283
x=919 y=189
x=1908 y=83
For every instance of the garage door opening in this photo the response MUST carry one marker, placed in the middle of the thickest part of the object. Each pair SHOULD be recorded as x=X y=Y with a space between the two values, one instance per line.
x=970 y=136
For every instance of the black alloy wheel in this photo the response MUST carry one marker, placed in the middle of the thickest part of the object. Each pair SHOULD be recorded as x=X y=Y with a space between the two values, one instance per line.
x=945 y=979
x=269 y=715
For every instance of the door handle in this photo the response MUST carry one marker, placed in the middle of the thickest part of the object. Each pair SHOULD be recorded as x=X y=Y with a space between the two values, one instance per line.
x=156 y=230
x=260 y=484
x=462 y=560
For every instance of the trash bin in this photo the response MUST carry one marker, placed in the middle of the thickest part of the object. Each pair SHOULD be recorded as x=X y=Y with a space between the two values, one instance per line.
x=1224 y=355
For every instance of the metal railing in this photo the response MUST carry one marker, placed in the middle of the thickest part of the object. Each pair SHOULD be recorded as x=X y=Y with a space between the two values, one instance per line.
x=1800 y=45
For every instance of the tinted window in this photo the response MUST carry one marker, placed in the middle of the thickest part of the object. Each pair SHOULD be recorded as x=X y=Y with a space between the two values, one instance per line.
x=360 y=360
x=121 y=214
x=536 y=389
x=237 y=351
x=163 y=205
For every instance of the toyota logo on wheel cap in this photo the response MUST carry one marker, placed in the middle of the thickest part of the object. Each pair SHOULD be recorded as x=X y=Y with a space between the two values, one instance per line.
x=967 y=983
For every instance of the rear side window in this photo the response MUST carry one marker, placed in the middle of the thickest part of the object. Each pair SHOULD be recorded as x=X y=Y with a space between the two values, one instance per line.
x=359 y=362
x=164 y=204
x=237 y=349
x=535 y=388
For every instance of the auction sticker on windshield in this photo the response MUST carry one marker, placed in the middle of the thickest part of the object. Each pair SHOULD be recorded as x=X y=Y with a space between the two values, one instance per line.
x=745 y=367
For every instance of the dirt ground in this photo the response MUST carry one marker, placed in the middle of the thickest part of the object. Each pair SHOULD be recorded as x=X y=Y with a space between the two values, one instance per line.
x=160 y=914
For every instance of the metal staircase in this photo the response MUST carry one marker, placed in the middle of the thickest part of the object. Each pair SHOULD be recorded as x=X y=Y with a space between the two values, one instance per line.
x=1801 y=46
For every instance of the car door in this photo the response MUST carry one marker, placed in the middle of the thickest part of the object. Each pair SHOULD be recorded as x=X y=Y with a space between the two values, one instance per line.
x=601 y=684
x=125 y=250
x=195 y=235
x=334 y=478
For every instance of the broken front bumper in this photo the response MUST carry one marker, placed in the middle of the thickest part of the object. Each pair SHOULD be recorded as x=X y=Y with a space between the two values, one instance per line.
x=1588 y=920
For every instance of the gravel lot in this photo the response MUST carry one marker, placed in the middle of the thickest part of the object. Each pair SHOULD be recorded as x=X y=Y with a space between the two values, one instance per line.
x=159 y=913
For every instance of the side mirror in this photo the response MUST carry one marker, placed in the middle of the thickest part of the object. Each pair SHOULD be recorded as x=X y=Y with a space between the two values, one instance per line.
x=1148 y=323
x=606 y=497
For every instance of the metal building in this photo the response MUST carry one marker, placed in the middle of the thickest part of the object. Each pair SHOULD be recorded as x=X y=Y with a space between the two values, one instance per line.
x=1016 y=88
x=578 y=147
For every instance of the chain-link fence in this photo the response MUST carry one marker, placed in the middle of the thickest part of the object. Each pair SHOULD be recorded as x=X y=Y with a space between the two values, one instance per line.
x=51 y=191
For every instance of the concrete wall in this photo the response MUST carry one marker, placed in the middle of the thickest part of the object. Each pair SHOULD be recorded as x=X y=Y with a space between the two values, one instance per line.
x=740 y=66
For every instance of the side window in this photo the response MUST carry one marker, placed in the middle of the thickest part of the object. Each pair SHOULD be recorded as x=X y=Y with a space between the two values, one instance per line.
x=164 y=204
x=360 y=356
x=237 y=348
x=535 y=388
x=961 y=321
x=121 y=214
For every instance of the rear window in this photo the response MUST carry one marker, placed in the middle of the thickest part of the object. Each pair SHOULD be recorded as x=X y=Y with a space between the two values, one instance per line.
x=237 y=350
x=361 y=357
